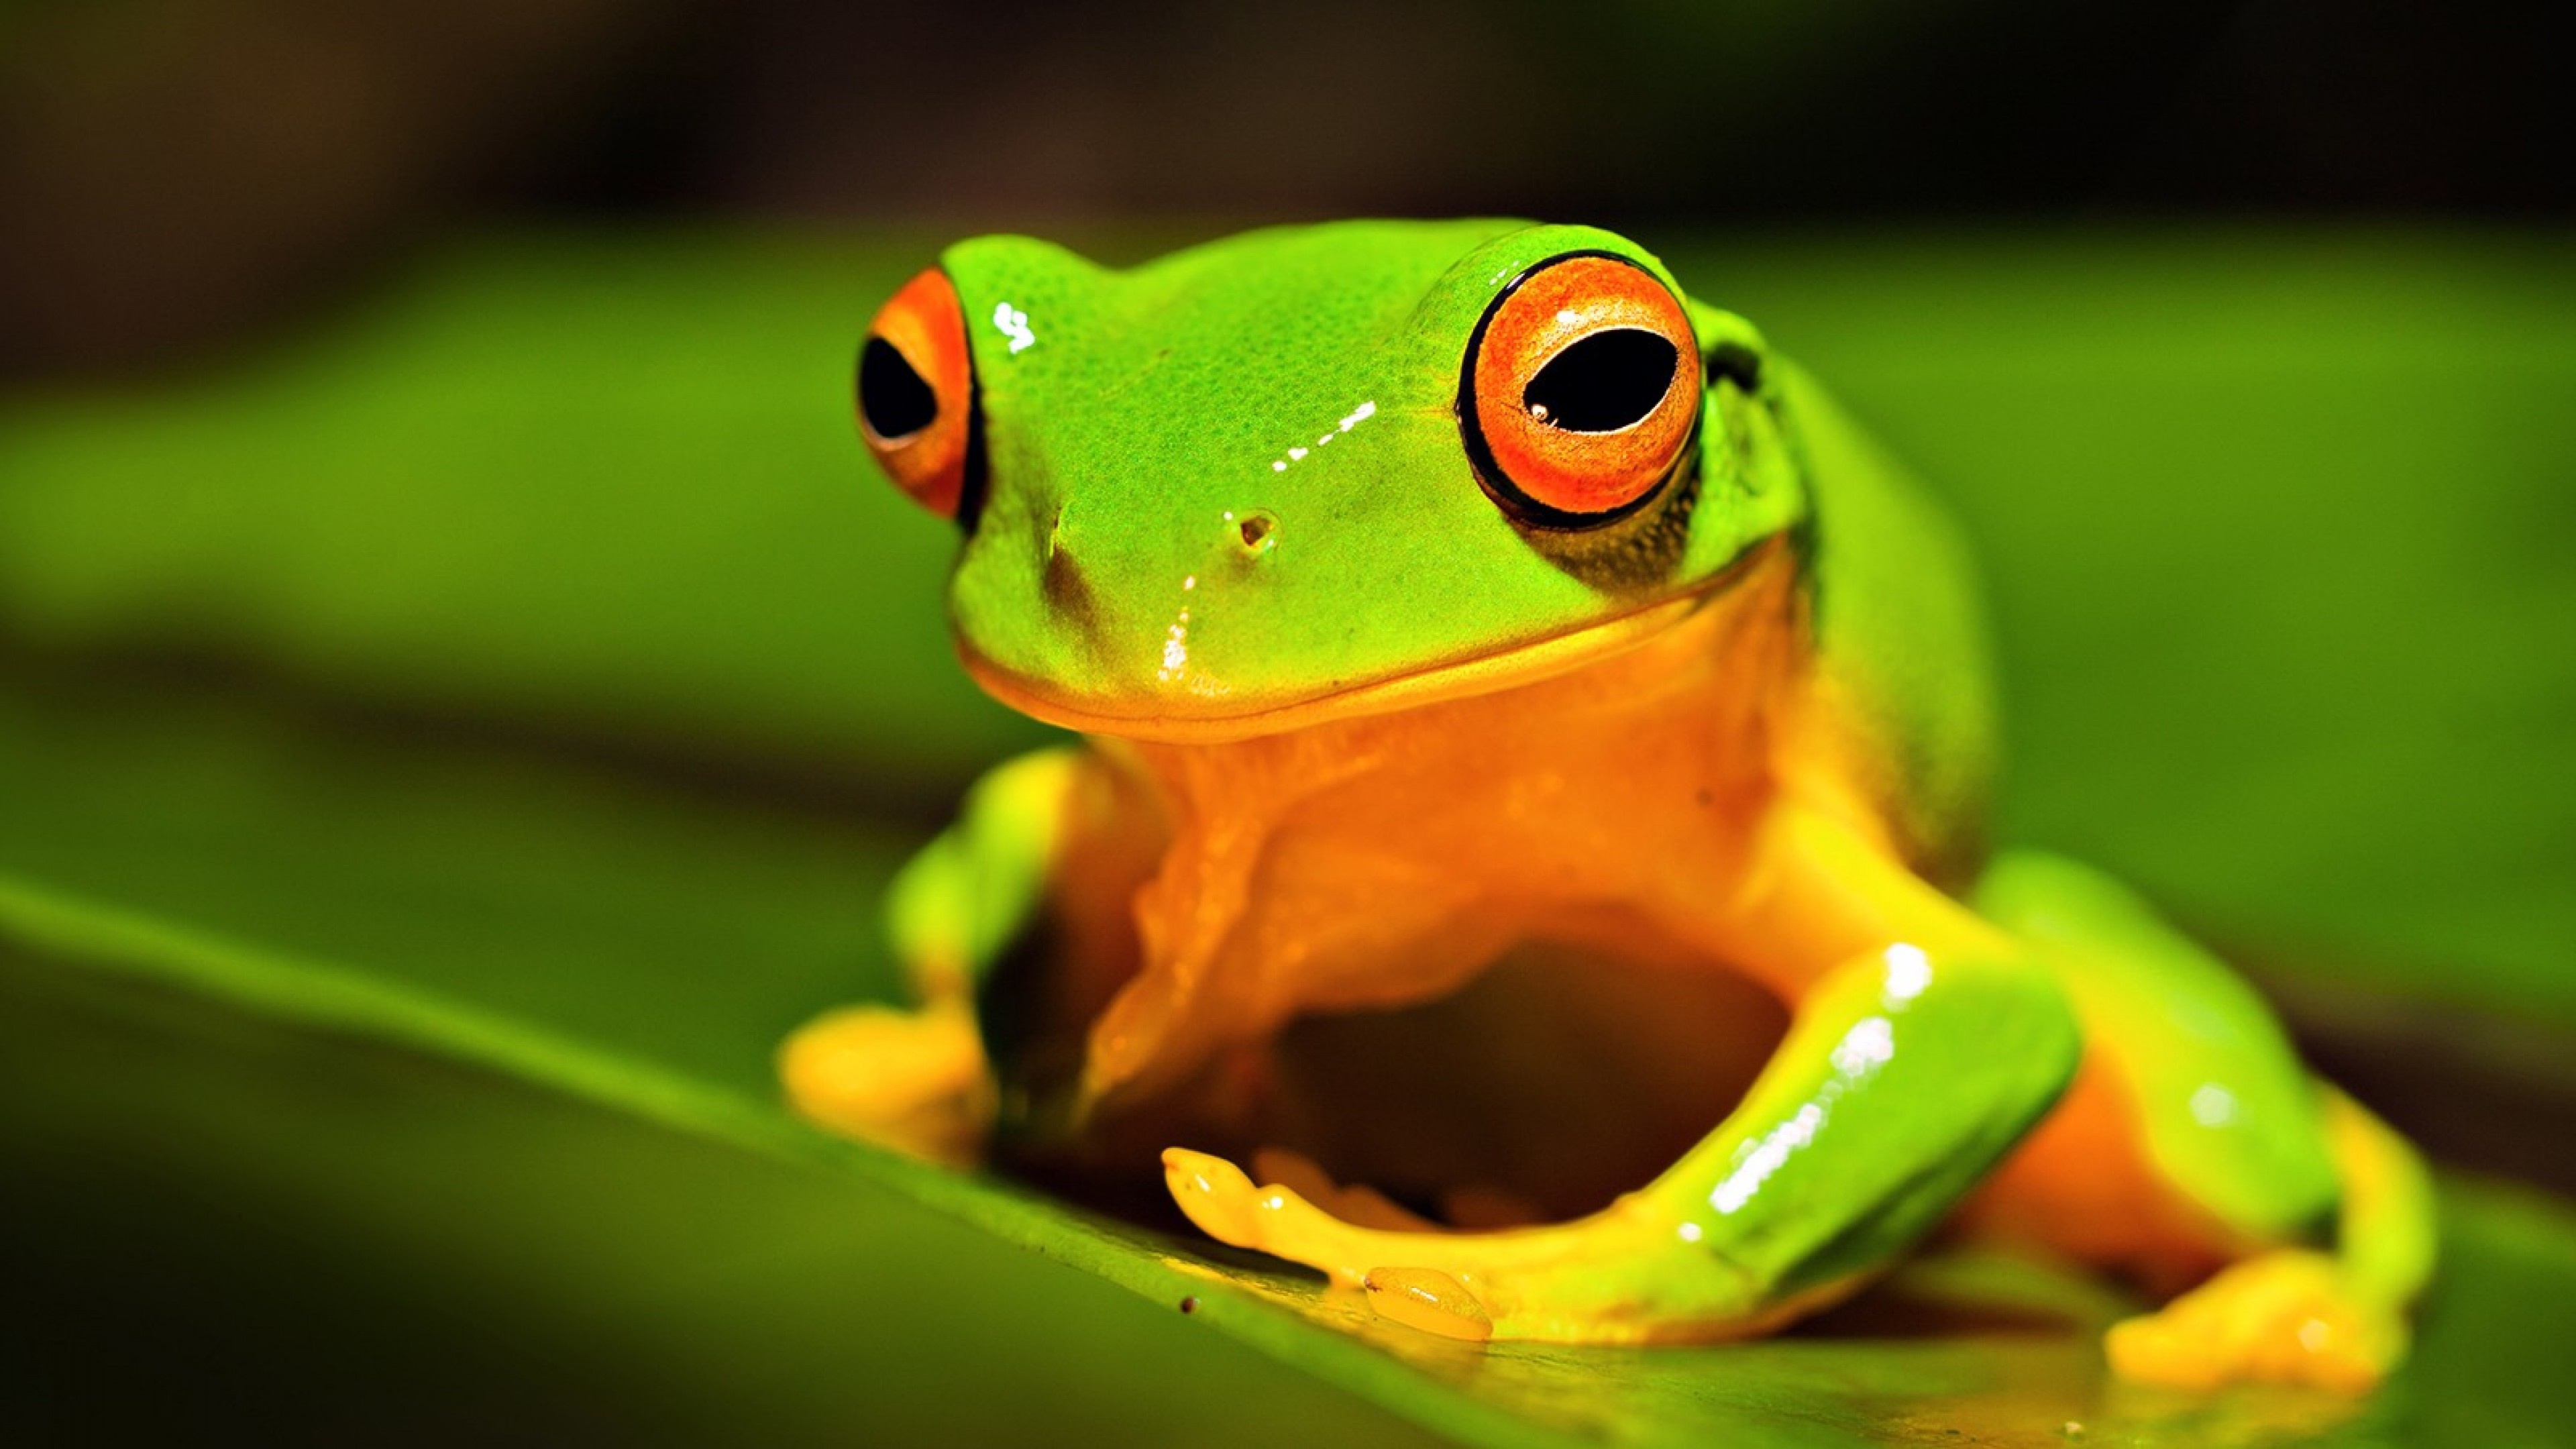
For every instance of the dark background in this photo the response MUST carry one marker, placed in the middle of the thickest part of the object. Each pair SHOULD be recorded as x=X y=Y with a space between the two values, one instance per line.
x=175 y=171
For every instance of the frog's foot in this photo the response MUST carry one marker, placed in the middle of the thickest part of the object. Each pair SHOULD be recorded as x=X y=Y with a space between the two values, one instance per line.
x=913 y=1081
x=2285 y=1317
x=1622 y=1275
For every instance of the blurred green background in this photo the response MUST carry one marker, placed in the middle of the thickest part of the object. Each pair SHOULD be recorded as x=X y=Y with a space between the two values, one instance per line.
x=462 y=686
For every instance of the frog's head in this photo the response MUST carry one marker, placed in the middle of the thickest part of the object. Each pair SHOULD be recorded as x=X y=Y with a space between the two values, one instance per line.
x=1318 y=471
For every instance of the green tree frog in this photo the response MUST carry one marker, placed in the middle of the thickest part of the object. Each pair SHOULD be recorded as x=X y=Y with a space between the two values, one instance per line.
x=1505 y=683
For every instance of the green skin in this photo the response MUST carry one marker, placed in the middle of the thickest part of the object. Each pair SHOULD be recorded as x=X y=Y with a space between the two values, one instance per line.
x=1133 y=420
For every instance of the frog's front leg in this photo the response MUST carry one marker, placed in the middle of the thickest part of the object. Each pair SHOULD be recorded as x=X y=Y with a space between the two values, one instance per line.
x=918 y=1080
x=1908 y=1071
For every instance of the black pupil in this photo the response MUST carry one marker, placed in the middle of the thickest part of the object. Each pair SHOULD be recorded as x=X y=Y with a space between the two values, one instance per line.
x=1607 y=381
x=893 y=397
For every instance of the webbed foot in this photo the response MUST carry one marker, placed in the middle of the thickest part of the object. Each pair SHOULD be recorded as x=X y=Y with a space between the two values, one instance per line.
x=915 y=1081
x=2289 y=1317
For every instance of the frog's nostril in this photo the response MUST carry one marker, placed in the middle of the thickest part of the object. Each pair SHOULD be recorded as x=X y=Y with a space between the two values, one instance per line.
x=1067 y=587
x=1256 y=531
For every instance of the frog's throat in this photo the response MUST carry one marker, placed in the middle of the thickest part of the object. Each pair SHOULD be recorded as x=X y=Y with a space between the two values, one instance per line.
x=1507 y=668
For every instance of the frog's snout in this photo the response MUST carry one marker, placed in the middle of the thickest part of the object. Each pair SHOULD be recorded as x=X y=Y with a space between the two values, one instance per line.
x=1246 y=535
x=1125 y=611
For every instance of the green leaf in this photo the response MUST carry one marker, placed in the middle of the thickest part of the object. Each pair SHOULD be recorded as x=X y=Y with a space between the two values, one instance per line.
x=249 y=1057
x=439 y=762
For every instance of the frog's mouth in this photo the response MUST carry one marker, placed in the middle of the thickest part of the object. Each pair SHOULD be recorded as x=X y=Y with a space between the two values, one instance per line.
x=1220 y=717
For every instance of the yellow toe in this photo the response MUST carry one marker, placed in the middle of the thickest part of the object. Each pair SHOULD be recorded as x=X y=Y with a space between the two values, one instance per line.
x=912 y=1081
x=2288 y=1318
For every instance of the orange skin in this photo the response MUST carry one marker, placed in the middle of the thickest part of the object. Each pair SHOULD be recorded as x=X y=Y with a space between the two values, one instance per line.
x=1278 y=876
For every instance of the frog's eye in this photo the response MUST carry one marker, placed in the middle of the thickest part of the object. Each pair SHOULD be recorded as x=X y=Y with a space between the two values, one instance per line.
x=916 y=392
x=1580 y=391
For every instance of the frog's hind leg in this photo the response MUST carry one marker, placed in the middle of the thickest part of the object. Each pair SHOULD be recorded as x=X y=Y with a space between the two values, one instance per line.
x=2196 y=1140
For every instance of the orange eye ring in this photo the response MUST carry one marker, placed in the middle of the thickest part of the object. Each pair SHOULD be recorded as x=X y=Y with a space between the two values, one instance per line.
x=1580 y=392
x=915 y=393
